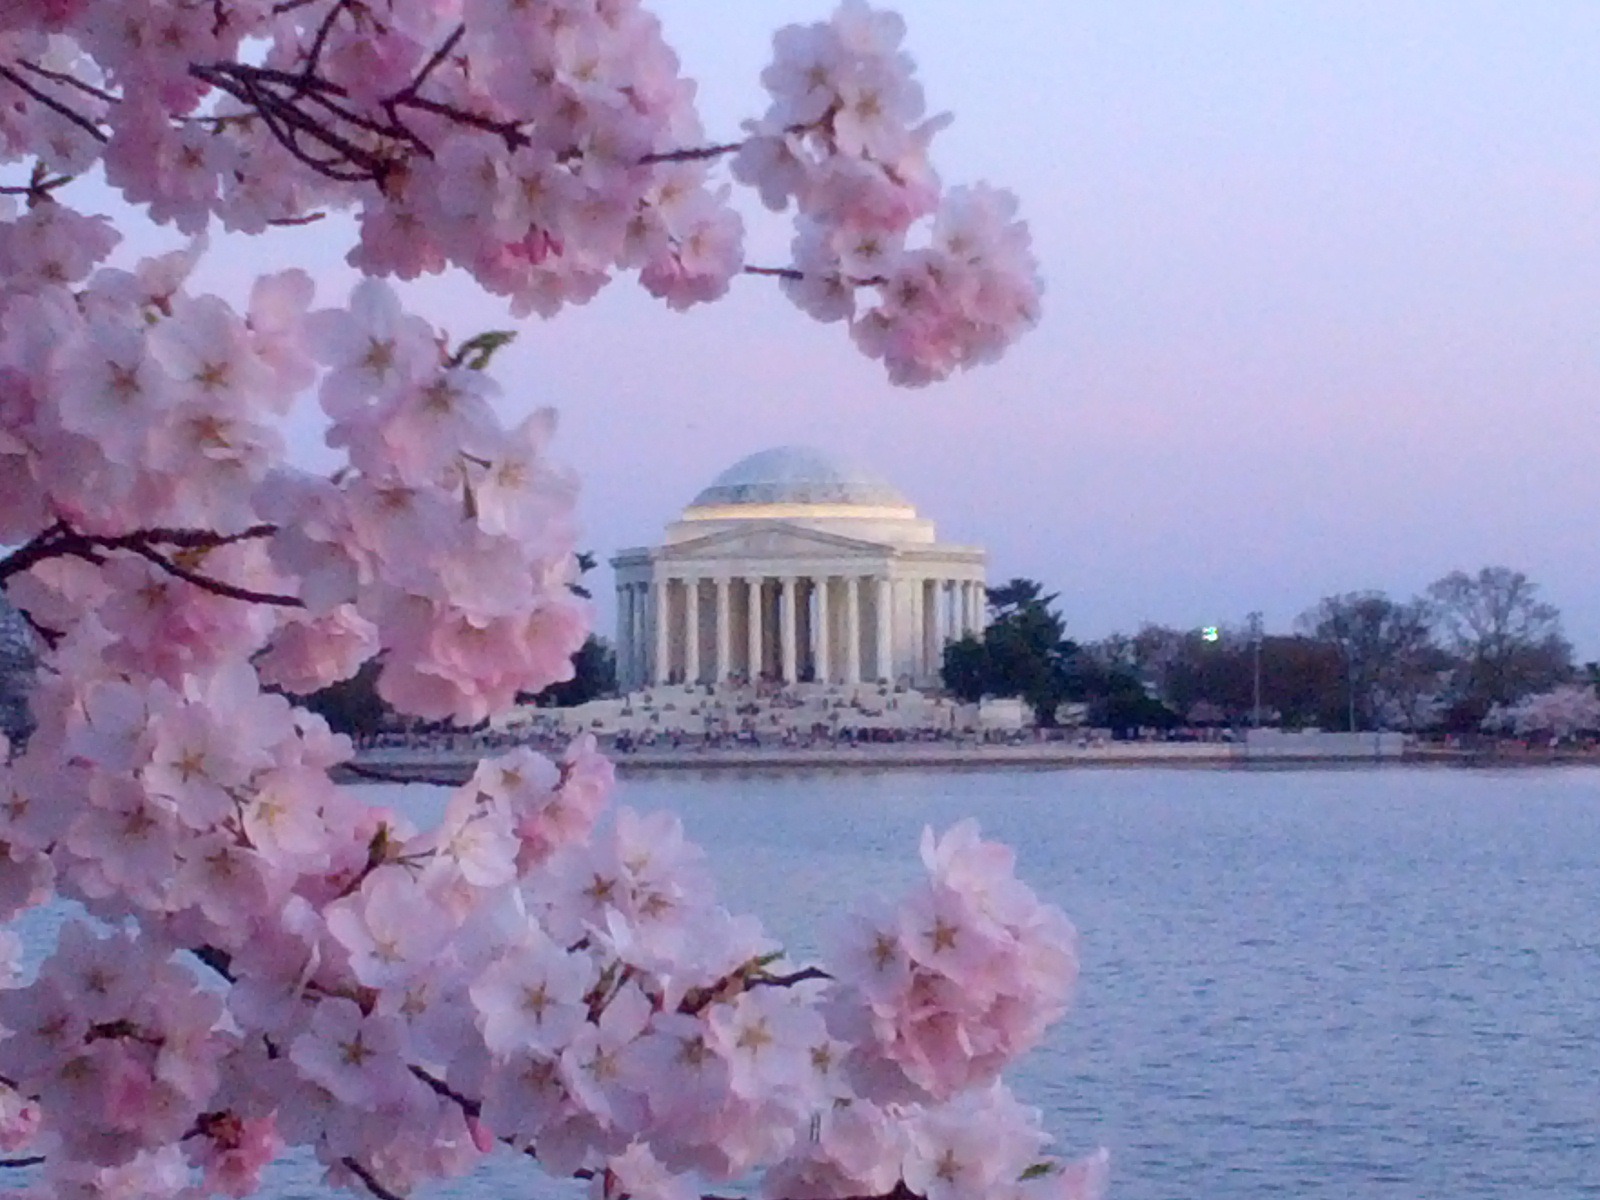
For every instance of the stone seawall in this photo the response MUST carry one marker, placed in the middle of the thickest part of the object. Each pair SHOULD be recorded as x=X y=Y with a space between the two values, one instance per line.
x=444 y=765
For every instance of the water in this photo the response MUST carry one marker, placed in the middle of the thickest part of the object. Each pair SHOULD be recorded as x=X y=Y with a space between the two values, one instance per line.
x=1376 y=984
x=1352 y=984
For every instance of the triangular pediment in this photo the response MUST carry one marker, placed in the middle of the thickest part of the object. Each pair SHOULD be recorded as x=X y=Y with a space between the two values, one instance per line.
x=773 y=540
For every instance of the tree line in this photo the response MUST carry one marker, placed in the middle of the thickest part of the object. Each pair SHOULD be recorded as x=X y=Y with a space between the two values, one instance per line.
x=1444 y=659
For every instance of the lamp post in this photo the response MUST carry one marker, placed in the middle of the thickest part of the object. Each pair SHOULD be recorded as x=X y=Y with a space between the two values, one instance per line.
x=1253 y=624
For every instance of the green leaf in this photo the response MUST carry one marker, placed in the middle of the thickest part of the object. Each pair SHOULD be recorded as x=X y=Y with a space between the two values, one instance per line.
x=476 y=352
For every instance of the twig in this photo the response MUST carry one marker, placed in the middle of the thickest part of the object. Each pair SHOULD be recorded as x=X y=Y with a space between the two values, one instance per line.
x=219 y=961
x=61 y=541
x=801 y=976
x=63 y=77
x=440 y=1088
x=31 y=1161
x=371 y=1180
x=50 y=102
x=217 y=586
x=443 y=52
x=779 y=272
x=692 y=154
x=309 y=71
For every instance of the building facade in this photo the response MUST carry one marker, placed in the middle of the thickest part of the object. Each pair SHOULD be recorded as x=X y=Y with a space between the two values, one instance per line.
x=794 y=567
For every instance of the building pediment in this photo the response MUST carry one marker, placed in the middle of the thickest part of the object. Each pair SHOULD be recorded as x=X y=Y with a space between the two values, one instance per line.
x=769 y=541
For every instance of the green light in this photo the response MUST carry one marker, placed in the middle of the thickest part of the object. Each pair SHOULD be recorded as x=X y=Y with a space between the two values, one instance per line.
x=1211 y=633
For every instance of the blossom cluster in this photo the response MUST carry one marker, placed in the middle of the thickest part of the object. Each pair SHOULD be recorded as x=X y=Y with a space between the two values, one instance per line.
x=1561 y=712
x=846 y=142
x=265 y=961
x=540 y=145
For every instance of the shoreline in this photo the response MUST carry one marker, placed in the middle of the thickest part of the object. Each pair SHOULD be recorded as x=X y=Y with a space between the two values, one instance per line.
x=456 y=766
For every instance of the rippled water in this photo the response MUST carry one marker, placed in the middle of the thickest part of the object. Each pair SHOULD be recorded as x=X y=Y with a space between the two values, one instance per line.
x=1360 y=984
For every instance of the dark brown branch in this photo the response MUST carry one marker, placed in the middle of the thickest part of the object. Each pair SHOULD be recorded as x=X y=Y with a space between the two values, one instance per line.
x=778 y=272
x=789 y=980
x=31 y=1161
x=62 y=77
x=216 y=586
x=440 y=1088
x=60 y=541
x=50 y=102
x=314 y=55
x=203 y=539
x=219 y=961
x=508 y=131
x=796 y=273
x=446 y=48
x=287 y=123
x=44 y=545
x=42 y=187
x=693 y=154
x=371 y=1180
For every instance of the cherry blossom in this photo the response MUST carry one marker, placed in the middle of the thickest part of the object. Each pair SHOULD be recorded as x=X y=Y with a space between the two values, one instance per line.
x=263 y=960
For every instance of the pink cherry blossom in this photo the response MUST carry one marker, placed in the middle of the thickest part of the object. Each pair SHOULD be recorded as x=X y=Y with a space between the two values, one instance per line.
x=277 y=963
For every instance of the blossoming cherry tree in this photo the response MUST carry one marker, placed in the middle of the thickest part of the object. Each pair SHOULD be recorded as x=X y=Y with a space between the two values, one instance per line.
x=269 y=962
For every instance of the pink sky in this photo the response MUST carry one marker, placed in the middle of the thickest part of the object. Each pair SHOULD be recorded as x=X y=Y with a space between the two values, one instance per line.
x=1323 y=309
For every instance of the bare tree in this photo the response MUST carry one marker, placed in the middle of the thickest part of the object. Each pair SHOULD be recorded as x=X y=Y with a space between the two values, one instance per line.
x=1509 y=642
x=1387 y=649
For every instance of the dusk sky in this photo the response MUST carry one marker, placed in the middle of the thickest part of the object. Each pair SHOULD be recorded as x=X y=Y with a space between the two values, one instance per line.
x=1322 y=308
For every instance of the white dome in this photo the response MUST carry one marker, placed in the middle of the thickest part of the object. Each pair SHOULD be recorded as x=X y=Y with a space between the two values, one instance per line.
x=798 y=475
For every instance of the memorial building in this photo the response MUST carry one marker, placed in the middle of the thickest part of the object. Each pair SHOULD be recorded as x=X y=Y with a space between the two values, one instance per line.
x=794 y=567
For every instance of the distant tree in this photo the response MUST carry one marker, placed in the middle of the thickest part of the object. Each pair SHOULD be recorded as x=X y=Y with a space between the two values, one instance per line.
x=1024 y=652
x=19 y=662
x=1302 y=682
x=966 y=668
x=1386 y=649
x=1176 y=669
x=594 y=674
x=1507 y=641
x=1560 y=713
x=353 y=706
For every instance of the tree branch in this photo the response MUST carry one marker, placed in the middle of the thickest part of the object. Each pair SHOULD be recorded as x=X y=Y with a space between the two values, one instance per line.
x=777 y=272
x=61 y=541
x=439 y=1087
x=216 y=586
x=692 y=154
x=801 y=976
x=50 y=102
x=68 y=80
x=371 y=1180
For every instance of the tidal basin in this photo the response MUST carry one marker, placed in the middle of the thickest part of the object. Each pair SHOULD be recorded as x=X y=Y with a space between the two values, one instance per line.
x=1359 y=984
x=1320 y=984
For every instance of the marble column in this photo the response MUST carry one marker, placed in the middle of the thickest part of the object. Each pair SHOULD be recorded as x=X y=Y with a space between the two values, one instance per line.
x=624 y=634
x=691 y=630
x=919 y=632
x=786 y=621
x=885 y=648
x=662 y=612
x=852 y=629
x=753 y=599
x=822 y=634
x=724 y=631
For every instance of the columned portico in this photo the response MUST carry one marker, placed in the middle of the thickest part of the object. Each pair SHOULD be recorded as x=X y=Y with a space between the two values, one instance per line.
x=793 y=569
